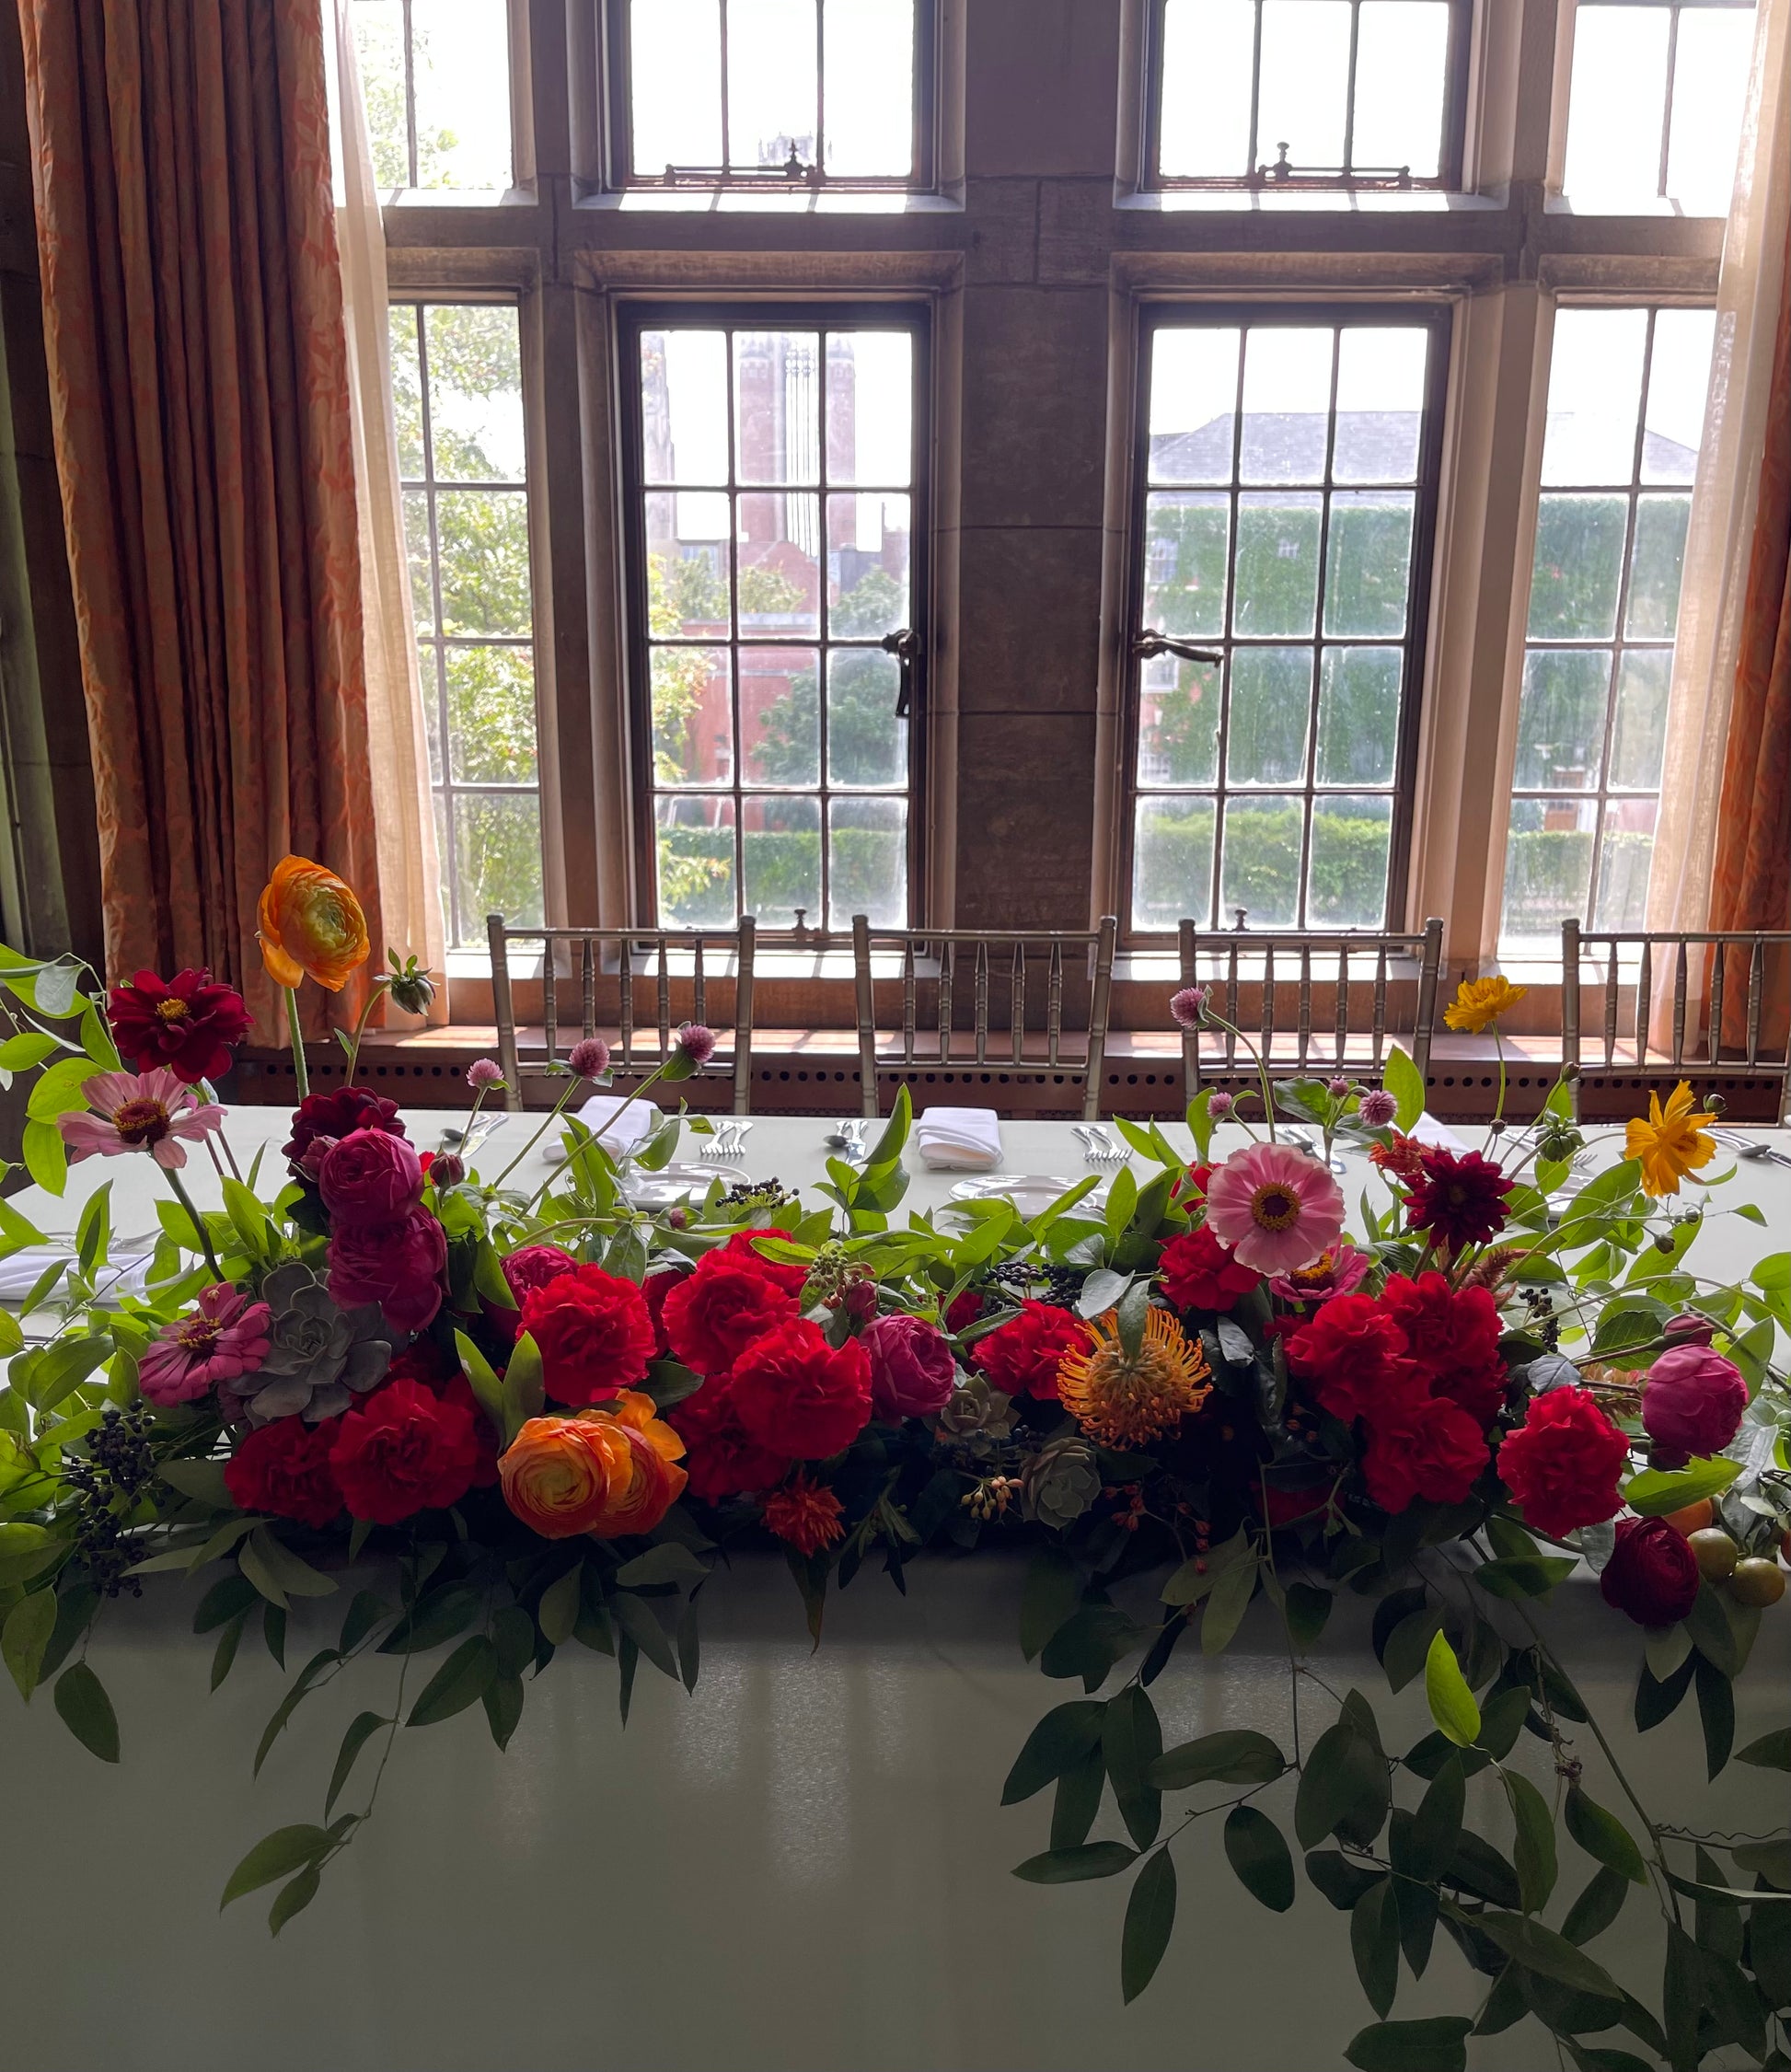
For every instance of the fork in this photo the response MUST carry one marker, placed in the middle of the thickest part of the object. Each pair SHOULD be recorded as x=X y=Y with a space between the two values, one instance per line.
x=725 y=1144
x=1098 y=1148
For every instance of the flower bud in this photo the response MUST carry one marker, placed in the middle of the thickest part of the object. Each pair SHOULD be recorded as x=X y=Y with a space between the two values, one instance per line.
x=445 y=1171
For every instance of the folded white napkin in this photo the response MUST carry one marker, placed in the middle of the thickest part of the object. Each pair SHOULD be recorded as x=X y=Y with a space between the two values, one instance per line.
x=127 y=1273
x=617 y=1133
x=1429 y=1131
x=959 y=1139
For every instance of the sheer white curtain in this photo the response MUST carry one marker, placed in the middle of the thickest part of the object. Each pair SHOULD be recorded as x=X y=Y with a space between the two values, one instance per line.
x=410 y=880
x=1717 y=547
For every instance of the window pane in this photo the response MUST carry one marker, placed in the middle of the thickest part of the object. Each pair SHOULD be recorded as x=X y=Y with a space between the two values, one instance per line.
x=1371 y=563
x=483 y=542
x=1304 y=81
x=1625 y=856
x=696 y=862
x=1710 y=81
x=1287 y=402
x=491 y=705
x=1561 y=719
x=1194 y=403
x=475 y=393
x=867 y=843
x=1348 y=875
x=1617 y=103
x=407 y=391
x=428 y=666
x=1382 y=374
x=1358 y=714
x=1172 y=863
x=1271 y=697
x=771 y=82
x=1638 y=731
x=688 y=576
x=1678 y=383
x=675 y=73
x=780 y=715
x=379 y=54
x=416 y=548
x=776 y=406
x=1261 y=871
x=497 y=860
x=781 y=850
x=1578 y=567
x=1594 y=390
x=1277 y=564
x=868 y=52
x=1178 y=722
x=871 y=408
x=866 y=566
x=1402 y=76
x=692 y=716
x=1185 y=556
x=866 y=743
x=1207 y=58
x=457 y=80
x=779 y=576
x=684 y=406
x=1548 y=867
x=1654 y=564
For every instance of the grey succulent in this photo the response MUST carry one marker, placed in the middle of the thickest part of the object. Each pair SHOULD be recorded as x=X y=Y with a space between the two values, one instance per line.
x=975 y=1410
x=320 y=1355
x=1060 y=1481
x=1551 y=1369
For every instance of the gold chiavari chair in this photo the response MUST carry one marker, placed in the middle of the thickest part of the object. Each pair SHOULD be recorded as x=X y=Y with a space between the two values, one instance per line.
x=634 y=985
x=981 y=1000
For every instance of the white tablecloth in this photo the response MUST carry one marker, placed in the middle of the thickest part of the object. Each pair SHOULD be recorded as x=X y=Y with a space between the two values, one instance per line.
x=802 y=1868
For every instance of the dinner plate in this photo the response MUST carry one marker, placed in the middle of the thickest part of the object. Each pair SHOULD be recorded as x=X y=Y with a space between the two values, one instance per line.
x=1031 y=1193
x=678 y=1183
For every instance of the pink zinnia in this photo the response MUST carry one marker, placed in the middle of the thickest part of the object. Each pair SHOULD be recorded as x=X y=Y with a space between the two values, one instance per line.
x=224 y=1338
x=1337 y=1271
x=1274 y=1208
x=139 y=1112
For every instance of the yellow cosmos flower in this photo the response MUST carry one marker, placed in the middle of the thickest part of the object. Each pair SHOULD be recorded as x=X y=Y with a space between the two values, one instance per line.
x=1479 y=1003
x=1671 y=1142
x=1124 y=1400
x=311 y=926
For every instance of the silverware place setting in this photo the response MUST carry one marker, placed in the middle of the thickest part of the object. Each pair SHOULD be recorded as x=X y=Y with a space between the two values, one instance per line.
x=727 y=1142
x=1750 y=1148
x=1099 y=1149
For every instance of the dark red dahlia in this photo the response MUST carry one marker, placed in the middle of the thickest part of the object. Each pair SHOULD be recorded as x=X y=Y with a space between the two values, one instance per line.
x=188 y=1023
x=339 y=1114
x=1458 y=1199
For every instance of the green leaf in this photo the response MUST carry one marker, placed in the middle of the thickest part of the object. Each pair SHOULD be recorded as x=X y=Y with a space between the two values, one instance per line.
x=1596 y=1907
x=295 y=1896
x=1604 y=1837
x=87 y=1711
x=1655 y=1491
x=1062 y=1738
x=1305 y=1613
x=1077 y=1799
x=1437 y=1826
x=25 y=1636
x=1715 y=1713
x=1436 y=2044
x=1374 y=1944
x=1541 y=1950
x=364 y=1613
x=1227 y=1603
x=460 y=1682
x=288 y=1705
x=1234 y=1755
x=202 y=1480
x=361 y=1729
x=487 y=1391
x=1341 y=1882
x=637 y=1620
x=275 y=1855
x=1257 y=1851
x=1533 y=1852
x=1342 y=1774
x=524 y=1393
x=45 y=1155
x=1403 y=1080
x=1131 y=1741
x=436 y=1617
x=1524 y=1575
x=1149 y=1917
x=1049 y=1598
x=1709 y=1625
x=279 y=1566
x=502 y=1700
x=1065 y=1867
x=224 y=1655
x=1771 y=1752
x=667 y=1563
x=556 y=1613
x=1451 y=1702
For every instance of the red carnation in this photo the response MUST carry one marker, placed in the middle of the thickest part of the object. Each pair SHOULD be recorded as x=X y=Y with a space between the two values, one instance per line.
x=1192 y=1185
x=283 y=1468
x=1460 y=1200
x=744 y=1246
x=1652 y=1573
x=964 y=1310
x=1351 y=1353
x=1452 y=1339
x=797 y=1395
x=1563 y=1464
x=398 y=1265
x=720 y=1460
x=186 y=1023
x=402 y=1450
x=1481 y=1391
x=1199 y=1273
x=594 y=1334
x=340 y=1114
x=1021 y=1358
x=456 y=1388
x=655 y=1287
x=533 y=1266
x=1423 y=1446
x=713 y=1315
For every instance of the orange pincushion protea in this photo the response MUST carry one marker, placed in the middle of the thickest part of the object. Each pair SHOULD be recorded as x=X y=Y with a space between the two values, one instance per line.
x=311 y=926
x=1125 y=1399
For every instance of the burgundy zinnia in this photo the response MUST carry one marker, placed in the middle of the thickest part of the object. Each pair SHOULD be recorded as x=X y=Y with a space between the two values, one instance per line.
x=186 y=1023
x=1458 y=1199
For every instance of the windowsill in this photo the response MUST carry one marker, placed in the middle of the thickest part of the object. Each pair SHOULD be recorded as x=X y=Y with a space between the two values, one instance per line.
x=746 y=200
x=1321 y=201
x=458 y=197
x=1620 y=208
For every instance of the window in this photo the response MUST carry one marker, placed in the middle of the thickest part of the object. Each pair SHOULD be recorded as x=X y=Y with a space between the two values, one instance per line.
x=1348 y=93
x=436 y=79
x=456 y=382
x=1625 y=411
x=1287 y=477
x=1654 y=108
x=803 y=92
x=773 y=508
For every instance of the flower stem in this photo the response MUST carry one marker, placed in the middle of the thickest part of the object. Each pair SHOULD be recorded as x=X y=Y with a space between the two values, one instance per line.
x=301 y=1075
x=1219 y=1022
x=553 y=1115
x=187 y=1202
x=374 y=992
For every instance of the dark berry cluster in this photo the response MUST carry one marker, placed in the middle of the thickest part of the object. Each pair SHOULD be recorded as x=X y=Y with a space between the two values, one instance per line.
x=749 y=1195
x=1059 y=1286
x=119 y=1466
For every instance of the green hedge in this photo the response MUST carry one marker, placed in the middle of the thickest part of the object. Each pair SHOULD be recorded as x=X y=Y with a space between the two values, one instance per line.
x=784 y=871
x=1173 y=865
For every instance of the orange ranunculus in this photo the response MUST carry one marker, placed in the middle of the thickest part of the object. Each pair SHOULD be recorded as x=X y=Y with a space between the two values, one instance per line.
x=311 y=925
x=605 y=1472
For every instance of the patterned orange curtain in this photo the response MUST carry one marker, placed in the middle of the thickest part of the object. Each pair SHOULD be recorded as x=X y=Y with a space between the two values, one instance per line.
x=1752 y=886
x=193 y=326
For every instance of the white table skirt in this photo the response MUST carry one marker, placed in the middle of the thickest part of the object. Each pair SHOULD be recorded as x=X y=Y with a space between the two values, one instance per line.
x=802 y=1868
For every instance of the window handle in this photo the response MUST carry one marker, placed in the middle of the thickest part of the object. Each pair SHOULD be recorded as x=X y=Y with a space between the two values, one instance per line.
x=905 y=647
x=1151 y=643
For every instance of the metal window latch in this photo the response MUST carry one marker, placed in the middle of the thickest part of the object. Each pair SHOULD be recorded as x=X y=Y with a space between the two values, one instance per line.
x=1151 y=643
x=906 y=647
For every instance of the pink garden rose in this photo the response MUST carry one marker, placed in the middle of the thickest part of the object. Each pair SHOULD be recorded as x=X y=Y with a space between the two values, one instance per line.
x=1692 y=1400
x=398 y=1265
x=912 y=1370
x=369 y=1177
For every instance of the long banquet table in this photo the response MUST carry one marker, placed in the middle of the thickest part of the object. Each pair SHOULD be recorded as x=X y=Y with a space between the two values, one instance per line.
x=803 y=1867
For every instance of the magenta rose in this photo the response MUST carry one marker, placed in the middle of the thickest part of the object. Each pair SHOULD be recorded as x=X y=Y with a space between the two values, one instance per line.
x=912 y=1370
x=369 y=1177
x=1652 y=1573
x=398 y=1265
x=1692 y=1400
x=533 y=1266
